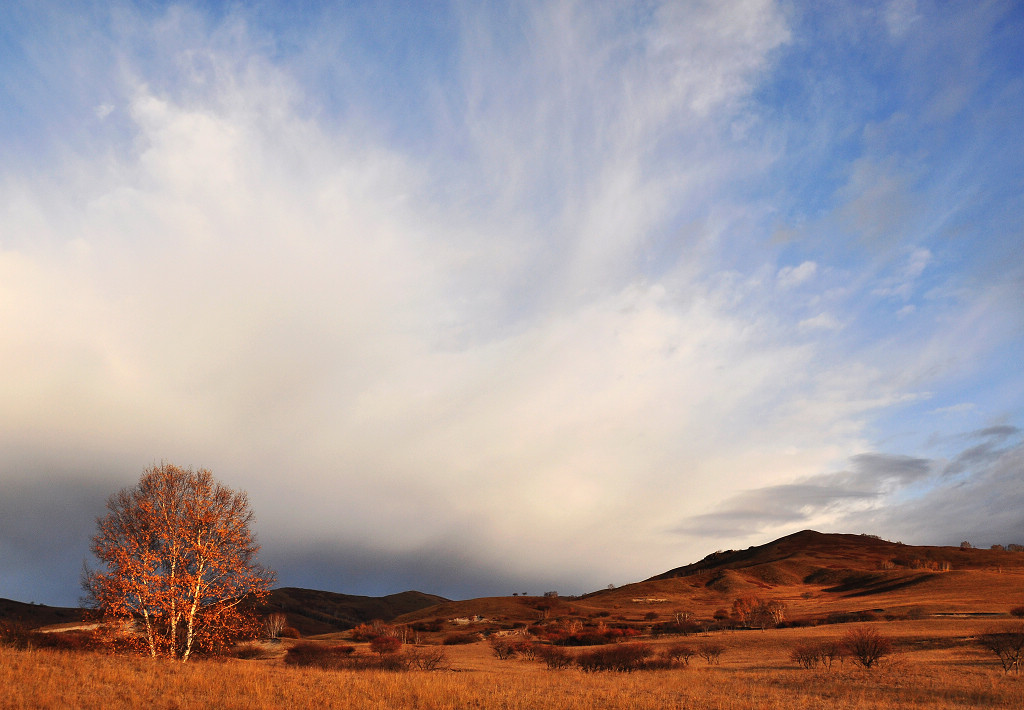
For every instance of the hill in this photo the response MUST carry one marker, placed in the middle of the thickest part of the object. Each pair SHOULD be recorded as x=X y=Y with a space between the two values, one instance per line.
x=820 y=574
x=36 y=615
x=817 y=576
x=308 y=610
x=318 y=612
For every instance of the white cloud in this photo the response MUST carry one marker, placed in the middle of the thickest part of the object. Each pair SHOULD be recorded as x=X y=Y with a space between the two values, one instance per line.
x=822 y=321
x=900 y=16
x=790 y=276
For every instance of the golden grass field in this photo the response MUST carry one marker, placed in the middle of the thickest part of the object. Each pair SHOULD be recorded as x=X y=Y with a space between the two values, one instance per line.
x=936 y=665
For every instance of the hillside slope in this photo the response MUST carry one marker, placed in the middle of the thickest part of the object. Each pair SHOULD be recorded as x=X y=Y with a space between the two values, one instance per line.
x=317 y=612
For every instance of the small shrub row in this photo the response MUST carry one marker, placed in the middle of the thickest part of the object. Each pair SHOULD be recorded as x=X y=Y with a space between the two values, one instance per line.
x=19 y=636
x=822 y=653
x=628 y=657
x=864 y=645
x=327 y=657
x=318 y=655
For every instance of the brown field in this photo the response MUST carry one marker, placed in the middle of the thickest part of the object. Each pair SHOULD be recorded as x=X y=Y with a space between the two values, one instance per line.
x=936 y=665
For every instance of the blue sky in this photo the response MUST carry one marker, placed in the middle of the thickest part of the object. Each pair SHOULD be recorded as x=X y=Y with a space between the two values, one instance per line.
x=475 y=299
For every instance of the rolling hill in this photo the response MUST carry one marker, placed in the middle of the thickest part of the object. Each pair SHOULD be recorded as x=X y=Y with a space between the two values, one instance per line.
x=817 y=576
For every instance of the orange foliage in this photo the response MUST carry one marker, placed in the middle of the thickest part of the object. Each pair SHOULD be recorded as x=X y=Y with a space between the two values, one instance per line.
x=180 y=558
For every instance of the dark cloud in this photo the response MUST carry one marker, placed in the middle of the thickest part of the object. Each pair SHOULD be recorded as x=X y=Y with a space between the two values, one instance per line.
x=771 y=506
x=870 y=476
x=46 y=524
x=976 y=493
x=986 y=507
x=873 y=468
x=1001 y=432
x=355 y=569
x=45 y=529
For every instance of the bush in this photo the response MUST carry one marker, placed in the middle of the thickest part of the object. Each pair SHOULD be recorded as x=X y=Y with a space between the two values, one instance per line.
x=624 y=658
x=247 y=651
x=1017 y=611
x=67 y=640
x=14 y=634
x=554 y=657
x=290 y=632
x=427 y=659
x=711 y=652
x=1008 y=646
x=385 y=645
x=866 y=646
x=460 y=639
x=318 y=655
x=427 y=626
x=806 y=655
x=503 y=648
x=680 y=653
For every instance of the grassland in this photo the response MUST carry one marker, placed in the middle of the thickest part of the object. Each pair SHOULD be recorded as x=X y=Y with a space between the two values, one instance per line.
x=936 y=665
x=933 y=603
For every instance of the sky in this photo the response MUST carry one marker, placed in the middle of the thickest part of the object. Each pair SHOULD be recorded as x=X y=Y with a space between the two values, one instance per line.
x=480 y=298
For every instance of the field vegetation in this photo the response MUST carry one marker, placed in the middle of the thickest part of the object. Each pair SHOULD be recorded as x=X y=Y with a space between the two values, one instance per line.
x=930 y=663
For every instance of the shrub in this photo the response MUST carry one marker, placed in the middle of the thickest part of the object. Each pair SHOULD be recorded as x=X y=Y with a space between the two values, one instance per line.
x=711 y=652
x=67 y=640
x=624 y=658
x=503 y=648
x=680 y=653
x=1017 y=611
x=428 y=659
x=364 y=632
x=290 y=632
x=806 y=655
x=427 y=626
x=526 y=649
x=383 y=645
x=460 y=639
x=1008 y=646
x=554 y=657
x=866 y=646
x=318 y=655
x=14 y=634
x=247 y=651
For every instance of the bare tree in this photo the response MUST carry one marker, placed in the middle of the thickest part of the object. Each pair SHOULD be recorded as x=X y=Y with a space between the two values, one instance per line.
x=179 y=556
x=1007 y=645
x=274 y=624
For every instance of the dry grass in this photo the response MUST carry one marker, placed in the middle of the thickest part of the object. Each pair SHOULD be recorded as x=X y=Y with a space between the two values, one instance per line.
x=936 y=666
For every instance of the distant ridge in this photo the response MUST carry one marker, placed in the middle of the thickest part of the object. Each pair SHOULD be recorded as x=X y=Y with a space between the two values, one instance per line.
x=806 y=551
x=312 y=611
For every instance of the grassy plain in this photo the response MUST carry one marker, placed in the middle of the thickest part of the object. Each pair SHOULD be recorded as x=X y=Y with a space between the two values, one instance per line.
x=936 y=665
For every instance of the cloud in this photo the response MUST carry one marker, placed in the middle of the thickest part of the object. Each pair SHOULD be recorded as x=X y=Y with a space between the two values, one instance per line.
x=911 y=498
x=790 y=276
x=822 y=321
x=900 y=16
x=509 y=293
